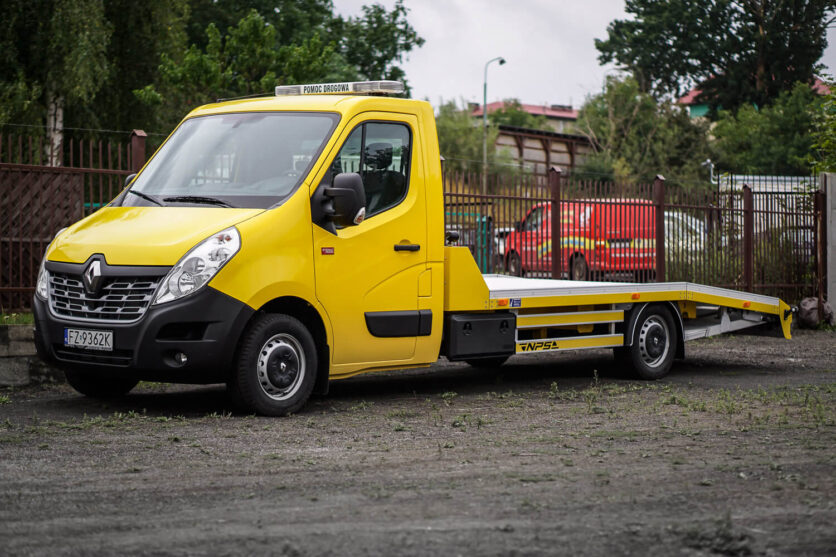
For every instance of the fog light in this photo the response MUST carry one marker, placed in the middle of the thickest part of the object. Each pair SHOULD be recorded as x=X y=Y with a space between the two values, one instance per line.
x=181 y=358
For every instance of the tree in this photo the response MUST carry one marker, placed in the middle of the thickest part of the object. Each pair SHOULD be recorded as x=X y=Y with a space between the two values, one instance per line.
x=460 y=141
x=512 y=114
x=262 y=51
x=737 y=52
x=54 y=57
x=375 y=42
x=635 y=137
x=247 y=61
x=143 y=33
x=773 y=140
x=823 y=149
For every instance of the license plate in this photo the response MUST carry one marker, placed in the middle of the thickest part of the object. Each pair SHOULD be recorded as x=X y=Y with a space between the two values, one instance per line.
x=90 y=339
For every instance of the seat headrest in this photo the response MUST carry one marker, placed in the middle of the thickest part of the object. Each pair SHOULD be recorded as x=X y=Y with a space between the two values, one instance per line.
x=378 y=155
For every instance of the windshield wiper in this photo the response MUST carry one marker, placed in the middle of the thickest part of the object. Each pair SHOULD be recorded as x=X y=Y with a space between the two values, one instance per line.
x=198 y=199
x=147 y=197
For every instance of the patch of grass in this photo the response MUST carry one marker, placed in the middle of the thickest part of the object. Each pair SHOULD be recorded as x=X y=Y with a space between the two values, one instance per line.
x=361 y=406
x=401 y=413
x=448 y=397
x=461 y=421
x=17 y=319
x=4 y=399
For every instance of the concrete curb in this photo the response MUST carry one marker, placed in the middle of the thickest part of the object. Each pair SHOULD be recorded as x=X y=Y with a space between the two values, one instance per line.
x=19 y=361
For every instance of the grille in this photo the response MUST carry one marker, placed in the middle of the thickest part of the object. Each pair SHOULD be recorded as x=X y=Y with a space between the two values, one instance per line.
x=121 y=299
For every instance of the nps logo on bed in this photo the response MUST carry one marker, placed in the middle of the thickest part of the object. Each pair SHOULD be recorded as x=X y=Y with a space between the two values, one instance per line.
x=534 y=346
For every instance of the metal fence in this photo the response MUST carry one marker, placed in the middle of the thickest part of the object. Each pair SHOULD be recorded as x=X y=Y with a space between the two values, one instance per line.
x=750 y=233
x=756 y=234
x=45 y=187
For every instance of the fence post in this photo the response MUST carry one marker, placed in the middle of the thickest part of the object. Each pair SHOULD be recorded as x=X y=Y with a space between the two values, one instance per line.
x=819 y=236
x=748 y=238
x=556 y=241
x=659 y=203
x=137 y=149
x=829 y=235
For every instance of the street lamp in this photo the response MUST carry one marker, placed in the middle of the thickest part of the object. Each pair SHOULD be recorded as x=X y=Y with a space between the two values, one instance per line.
x=710 y=166
x=501 y=61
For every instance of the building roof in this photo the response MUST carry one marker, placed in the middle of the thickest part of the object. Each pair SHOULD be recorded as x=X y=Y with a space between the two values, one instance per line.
x=557 y=112
x=689 y=98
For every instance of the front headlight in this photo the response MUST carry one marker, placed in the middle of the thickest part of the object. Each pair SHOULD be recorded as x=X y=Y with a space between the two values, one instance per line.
x=42 y=286
x=199 y=265
x=41 y=289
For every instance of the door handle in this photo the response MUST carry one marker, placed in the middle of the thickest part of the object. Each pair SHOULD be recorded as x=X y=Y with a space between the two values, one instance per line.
x=407 y=247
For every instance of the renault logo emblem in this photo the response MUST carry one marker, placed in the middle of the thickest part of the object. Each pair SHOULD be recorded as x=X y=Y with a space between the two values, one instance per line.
x=93 y=277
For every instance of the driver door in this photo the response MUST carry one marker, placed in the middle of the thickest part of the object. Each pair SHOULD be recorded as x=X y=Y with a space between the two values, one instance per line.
x=367 y=275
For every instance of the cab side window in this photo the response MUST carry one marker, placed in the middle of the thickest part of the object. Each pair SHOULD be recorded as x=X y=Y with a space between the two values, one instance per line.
x=380 y=153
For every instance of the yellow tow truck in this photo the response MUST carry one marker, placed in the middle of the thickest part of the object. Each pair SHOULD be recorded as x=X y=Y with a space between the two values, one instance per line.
x=277 y=243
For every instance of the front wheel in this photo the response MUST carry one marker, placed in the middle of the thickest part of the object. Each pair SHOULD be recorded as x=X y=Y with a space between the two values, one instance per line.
x=99 y=386
x=580 y=270
x=654 y=343
x=276 y=367
x=514 y=265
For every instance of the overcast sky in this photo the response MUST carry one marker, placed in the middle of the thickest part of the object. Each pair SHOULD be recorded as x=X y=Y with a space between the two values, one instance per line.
x=547 y=44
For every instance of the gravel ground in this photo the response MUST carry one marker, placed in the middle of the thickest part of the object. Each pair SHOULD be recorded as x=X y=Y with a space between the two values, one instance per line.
x=732 y=454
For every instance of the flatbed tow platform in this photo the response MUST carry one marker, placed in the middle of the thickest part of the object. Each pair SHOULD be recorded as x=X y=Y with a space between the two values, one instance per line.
x=555 y=315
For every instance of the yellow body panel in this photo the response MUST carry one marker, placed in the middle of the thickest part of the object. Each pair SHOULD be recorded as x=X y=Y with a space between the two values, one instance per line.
x=274 y=260
x=143 y=235
x=464 y=287
x=569 y=318
x=570 y=343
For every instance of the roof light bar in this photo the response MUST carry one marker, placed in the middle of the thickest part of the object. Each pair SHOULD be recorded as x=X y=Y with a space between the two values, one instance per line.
x=345 y=88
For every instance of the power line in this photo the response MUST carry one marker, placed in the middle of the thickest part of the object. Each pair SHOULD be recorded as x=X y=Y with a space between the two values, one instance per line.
x=81 y=129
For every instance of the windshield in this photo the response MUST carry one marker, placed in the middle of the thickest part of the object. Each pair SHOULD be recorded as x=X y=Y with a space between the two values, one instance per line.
x=252 y=160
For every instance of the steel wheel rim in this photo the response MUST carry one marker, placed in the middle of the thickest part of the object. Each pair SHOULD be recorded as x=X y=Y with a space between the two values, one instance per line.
x=654 y=341
x=513 y=265
x=577 y=267
x=281 y=366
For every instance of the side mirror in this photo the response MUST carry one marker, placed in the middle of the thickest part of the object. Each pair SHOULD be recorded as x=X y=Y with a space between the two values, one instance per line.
x=349 y=199
x=341 y=204
x=130 y=178
x=518 y=226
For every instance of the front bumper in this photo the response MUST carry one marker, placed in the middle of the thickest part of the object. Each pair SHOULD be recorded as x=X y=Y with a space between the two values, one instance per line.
x=205 y=327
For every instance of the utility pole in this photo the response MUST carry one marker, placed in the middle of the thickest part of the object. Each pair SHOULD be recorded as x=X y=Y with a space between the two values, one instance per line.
x=501 y=61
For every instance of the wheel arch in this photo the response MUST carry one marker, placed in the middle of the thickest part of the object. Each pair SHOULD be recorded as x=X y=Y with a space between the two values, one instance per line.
x=638 y=310
x=305 y=312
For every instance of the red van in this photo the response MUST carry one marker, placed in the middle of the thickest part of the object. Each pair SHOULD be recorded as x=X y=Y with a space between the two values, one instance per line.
x=598 y=236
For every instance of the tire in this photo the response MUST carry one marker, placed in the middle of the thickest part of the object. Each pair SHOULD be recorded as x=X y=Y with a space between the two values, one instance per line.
x=99 y=386
x=275 y=369
x=654 y=343
x=489 y=362
x=579 y=269
x=515 y=265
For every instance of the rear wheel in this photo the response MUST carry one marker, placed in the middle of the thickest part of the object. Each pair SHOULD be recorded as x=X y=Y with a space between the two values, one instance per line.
x=276 y=366
x=514 y=265
x=654 y=343
x=580 y=270
x=99 y=386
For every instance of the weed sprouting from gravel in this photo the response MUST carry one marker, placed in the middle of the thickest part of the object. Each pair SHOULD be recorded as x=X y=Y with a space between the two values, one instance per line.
x=448 y=397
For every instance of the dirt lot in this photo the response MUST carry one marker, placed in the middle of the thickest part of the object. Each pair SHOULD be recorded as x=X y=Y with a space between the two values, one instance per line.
x=733 y=453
